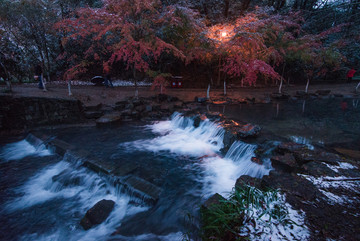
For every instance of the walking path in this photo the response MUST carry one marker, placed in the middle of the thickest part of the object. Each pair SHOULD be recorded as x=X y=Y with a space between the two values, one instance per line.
x=92 y=95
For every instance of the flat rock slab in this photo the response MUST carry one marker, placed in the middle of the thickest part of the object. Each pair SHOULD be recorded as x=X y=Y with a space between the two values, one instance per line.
x=143 y=189
x=108 y=119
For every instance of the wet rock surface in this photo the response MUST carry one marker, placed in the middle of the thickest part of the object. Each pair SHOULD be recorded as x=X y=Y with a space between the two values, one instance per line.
x=327 y=216
x=321 y=184
x=97 y=214
x=147 y=109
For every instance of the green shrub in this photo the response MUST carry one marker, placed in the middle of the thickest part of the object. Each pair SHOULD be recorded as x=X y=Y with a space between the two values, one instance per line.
x=245 y=206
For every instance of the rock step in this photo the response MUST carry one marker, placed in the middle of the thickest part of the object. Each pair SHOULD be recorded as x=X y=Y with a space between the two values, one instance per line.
x=135 y=185
x=142 y=189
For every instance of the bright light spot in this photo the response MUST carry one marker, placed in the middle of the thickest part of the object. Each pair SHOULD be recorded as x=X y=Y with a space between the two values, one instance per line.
x=223 y=34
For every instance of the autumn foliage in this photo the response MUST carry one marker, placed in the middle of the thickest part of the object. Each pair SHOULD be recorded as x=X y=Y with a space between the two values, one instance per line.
x=122 y=31
x=134 y=38
x=143 y=34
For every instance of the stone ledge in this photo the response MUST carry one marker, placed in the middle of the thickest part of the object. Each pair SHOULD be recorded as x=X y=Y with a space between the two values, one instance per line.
x=135 y=185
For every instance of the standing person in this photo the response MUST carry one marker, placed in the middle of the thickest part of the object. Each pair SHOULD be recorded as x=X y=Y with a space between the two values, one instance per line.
x=350 y=75
x=38 y=73
x=108 y=82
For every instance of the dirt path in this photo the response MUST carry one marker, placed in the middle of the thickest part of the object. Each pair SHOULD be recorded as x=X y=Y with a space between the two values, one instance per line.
x=92 y=95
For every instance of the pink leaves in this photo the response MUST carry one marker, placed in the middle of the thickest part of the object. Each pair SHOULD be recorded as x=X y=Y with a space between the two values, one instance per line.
x=250 y=71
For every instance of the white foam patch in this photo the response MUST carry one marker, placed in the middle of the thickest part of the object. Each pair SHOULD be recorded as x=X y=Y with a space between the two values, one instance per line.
x=179 y=136
x=21 y=149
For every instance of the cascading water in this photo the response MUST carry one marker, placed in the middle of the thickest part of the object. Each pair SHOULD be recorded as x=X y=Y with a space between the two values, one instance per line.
x=48 y=202
x=21 y=149
x=55 y=199
x=179 y=136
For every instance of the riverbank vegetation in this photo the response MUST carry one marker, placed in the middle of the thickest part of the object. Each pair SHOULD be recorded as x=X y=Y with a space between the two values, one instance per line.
x=240 y=42
x=243 y=213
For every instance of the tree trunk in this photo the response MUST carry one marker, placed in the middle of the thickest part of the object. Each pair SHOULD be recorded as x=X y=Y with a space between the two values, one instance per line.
x=48 y=60
x=135 y=82
x=281 y=83
x=226 y=8
x=219 y=74
x=244 y=6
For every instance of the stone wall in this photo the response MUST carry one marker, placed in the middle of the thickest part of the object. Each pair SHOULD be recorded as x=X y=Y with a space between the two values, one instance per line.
x=26 y=112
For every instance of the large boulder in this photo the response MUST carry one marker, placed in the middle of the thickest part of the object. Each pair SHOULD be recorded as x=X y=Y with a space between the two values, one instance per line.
x=97 y=214
x=236 y=131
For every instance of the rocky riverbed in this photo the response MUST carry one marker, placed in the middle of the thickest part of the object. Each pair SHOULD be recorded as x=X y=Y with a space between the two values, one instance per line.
x=321 y=182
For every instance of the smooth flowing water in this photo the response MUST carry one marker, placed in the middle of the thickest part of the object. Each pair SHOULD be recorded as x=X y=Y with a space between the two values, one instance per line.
x=44 y=196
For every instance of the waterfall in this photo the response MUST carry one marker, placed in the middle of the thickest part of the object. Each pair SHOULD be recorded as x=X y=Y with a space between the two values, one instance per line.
x=65 y=189
x=30 y=146
x=221 y=173
x=180 y=136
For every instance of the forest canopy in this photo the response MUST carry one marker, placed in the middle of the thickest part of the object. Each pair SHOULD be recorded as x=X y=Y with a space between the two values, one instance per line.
x=246 y=42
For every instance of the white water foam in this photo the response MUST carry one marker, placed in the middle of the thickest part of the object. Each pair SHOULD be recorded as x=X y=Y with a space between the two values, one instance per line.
x=53 y=184
x=21 y=149
x=179 y=136
x=221 y=173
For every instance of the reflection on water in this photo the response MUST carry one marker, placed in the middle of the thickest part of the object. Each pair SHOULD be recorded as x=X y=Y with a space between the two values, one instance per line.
x=329 y=122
